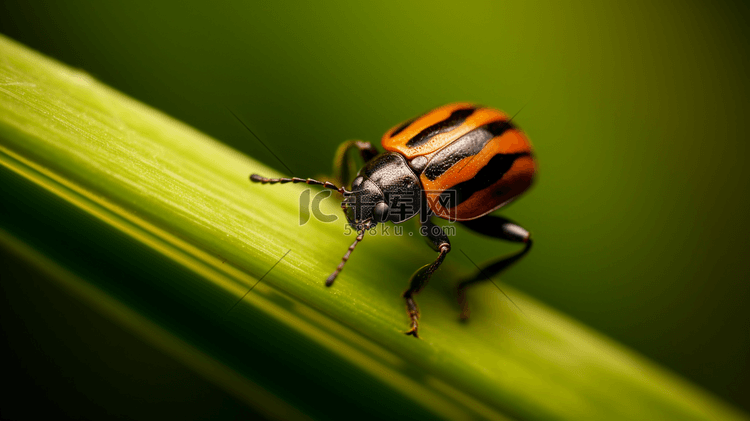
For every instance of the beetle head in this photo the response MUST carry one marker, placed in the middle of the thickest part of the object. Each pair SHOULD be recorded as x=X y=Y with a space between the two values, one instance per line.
x=365 y=206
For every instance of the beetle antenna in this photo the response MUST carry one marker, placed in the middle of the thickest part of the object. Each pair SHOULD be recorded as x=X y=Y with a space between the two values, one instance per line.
x=263 y=180
x=336 y=272
x=261 y=142
x=514 y=115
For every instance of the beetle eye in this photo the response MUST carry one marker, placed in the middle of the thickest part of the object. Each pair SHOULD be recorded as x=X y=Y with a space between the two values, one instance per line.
x=357 y=182
x=380 y=213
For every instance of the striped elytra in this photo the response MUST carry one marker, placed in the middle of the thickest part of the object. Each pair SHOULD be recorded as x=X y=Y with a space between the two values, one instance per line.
x=470 y=160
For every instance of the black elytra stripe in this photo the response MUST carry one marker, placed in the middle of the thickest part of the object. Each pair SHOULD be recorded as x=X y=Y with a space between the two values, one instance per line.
x=454 y=120
x=465 y=146
x=487 y=176
x=403 y=126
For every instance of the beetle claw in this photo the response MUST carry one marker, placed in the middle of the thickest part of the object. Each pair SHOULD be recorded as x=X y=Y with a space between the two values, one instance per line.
x=413 y=332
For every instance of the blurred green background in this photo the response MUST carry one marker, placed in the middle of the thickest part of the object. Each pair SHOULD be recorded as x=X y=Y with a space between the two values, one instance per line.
x=637 y=111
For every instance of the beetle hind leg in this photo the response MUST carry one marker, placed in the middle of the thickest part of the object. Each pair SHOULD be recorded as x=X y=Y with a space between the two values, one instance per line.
x=497 y=227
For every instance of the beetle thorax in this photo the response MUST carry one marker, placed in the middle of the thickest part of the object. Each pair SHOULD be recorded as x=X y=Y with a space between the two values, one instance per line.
x=385 y=189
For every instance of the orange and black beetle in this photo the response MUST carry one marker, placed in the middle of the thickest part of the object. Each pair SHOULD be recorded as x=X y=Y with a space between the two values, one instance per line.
x=458 y=162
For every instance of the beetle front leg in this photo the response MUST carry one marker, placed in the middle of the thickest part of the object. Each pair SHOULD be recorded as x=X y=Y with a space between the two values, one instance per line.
x=440 y=243
x=497 y=227
x=343 y=164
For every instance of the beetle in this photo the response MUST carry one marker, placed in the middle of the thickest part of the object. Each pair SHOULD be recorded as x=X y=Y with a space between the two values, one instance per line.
x=458 y=162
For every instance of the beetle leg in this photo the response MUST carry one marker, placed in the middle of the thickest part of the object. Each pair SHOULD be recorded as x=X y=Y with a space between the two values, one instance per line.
x=497 y=227
x=439 y=242
x=343 y=164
